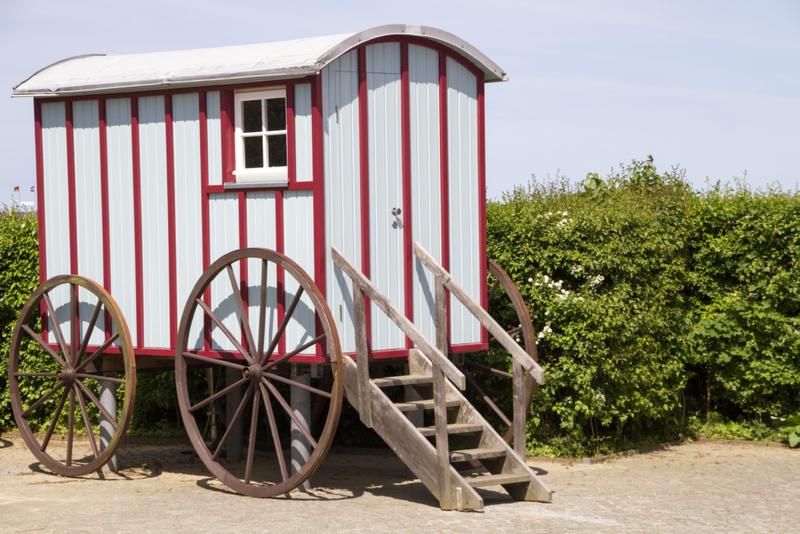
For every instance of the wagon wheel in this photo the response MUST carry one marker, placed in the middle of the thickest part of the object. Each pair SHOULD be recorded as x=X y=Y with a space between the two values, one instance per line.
x=264 y=370
x=71 y=374
x=502 y=290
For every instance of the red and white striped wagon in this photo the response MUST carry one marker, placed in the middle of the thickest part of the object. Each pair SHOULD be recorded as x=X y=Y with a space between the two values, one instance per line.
x=228 y=209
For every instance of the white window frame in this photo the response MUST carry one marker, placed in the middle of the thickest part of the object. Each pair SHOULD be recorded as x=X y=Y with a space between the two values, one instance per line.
x=268 y=176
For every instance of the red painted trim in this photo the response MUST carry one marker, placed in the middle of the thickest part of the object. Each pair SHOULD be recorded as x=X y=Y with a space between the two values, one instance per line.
x=281 y=274
x=469 y=347
x=363 y=152
x=173 y=268
x=73 y=200
x=408 y=238
x=228 y=140
x=291 y=153
x=101 y=107
x=137 y=222
x=293 y=186
x=243 y=264
x=482 y=203
x=444 y=173
x=317 y=138
x=204 y=211
x=40 y=206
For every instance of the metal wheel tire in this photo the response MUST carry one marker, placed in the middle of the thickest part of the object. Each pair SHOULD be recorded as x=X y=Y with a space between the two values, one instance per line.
x=509 y=291
x=71 y=367
x=263 y=369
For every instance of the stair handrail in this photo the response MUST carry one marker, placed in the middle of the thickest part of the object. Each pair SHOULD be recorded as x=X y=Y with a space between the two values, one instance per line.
x=443 y=277
x=449 y=369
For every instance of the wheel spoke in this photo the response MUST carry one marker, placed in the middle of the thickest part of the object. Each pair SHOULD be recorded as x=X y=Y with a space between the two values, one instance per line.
x=111 y=418
x=43 y=399
x=34 y=374
x=56 y=326
x=494 y=288
x=86 y=422
x=295 y=352
x=284 y=323
x=297 y=384
x=251 y=446
x=100 y=377
x=488 y=369
x=217 y=395
x=289 y=412
x=98 y=352
x=73 y=324
x=276 y=439
x=45 y=346
x=225 y=331
x=232 y=422
x=55 y=420
x=510 y=333
x=243 y=316
x=486 y=399
x=70 y=426
x=262 y=310
x=89 y=331
x=213 y=361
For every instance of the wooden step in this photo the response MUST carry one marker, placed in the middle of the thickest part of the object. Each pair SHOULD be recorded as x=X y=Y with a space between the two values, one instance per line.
x=496 y=480
x=405 y=380
x=411 y=406
x=467 y=455
x=457 y=428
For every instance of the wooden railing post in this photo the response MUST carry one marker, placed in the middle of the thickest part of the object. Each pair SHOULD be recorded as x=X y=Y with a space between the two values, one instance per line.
x=362 y=357
x=520 y=437
x=440 y=400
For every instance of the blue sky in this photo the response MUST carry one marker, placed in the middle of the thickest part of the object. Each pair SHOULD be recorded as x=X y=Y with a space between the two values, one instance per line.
x=712 y=86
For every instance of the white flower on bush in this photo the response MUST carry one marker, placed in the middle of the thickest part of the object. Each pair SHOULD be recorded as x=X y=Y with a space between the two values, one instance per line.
x=596 y=280
x=576 y=269
x=546 y=330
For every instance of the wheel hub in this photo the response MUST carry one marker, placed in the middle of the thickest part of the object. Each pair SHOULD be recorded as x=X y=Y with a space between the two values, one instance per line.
x=253 y=373
x=66 y=375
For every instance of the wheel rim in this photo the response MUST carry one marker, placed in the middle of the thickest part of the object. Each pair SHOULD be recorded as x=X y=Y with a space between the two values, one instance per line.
x=504 y=287
x=71 y=380
x=257 y=356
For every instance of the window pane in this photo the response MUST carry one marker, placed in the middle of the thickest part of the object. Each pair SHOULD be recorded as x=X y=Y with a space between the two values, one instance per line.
x=251 y=111
x=277 y=150
x=276 y=114
x=253 y=152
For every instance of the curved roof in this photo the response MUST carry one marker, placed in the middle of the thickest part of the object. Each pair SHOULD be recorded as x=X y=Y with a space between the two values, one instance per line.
x=229 y=64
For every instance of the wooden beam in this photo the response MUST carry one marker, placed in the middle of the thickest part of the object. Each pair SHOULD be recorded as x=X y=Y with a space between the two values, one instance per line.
x=362 y=357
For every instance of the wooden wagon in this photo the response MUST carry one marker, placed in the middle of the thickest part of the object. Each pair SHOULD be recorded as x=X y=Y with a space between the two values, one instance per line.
x=270 y=219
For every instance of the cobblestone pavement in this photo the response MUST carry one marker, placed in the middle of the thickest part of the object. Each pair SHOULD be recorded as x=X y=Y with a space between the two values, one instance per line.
x=700 y=487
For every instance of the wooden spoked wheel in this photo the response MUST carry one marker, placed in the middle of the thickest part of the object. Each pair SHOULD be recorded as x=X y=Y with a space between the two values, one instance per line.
x=70 y=377
x=518 y=321
x=262 y=373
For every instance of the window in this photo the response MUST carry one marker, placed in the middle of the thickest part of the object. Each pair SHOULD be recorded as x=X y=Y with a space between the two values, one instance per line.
x=261 y=138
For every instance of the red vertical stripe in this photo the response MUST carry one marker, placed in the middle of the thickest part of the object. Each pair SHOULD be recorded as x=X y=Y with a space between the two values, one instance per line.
x=73 y=210
x=363 y=152
x=137 y=222
x=40 y=207
x=291 y=152
x=204 y=210
x=226 y=116
x=101 y=105
x=444 y=170
x=482 y=202
x=408 y=238
x=317 y=139
x=173 y=280
x=280 y=247
x=243 y=264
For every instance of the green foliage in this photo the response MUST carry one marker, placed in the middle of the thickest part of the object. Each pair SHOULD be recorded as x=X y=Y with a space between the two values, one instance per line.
x=791 y=426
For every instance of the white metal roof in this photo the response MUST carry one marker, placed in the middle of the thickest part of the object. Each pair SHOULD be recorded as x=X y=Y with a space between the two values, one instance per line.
x=229 y=64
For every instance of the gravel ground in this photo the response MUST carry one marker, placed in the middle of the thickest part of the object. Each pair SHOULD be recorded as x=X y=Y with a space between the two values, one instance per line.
x=163 y=487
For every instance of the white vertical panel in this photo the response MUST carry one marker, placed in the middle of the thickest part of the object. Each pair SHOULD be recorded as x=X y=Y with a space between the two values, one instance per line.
x=223 y=216
x=426 y=225
x=462 y=147
x=342 y=186
x=214 y=128
x=121 y=225
x=56 y=205
x=387 y=266
x=261 y=233
x=188 y=206
x=155 y=230
x=303 y=140
x=89 y=208
x=298 y=227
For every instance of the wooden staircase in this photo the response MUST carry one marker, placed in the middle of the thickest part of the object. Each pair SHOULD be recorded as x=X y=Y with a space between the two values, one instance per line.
x=438 y=382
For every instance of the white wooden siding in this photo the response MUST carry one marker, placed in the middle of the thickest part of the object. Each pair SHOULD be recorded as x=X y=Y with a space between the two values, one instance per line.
x=303 y=140
x=342 y=186
x=121 y=226
x=188 y=205
x=426 y=225
x=261 y=233
x=56 y=207
x=214 y=129
x=223 y=211
x=298 y=228
x=462 y=147
x=384 y=121
x=155 y=230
